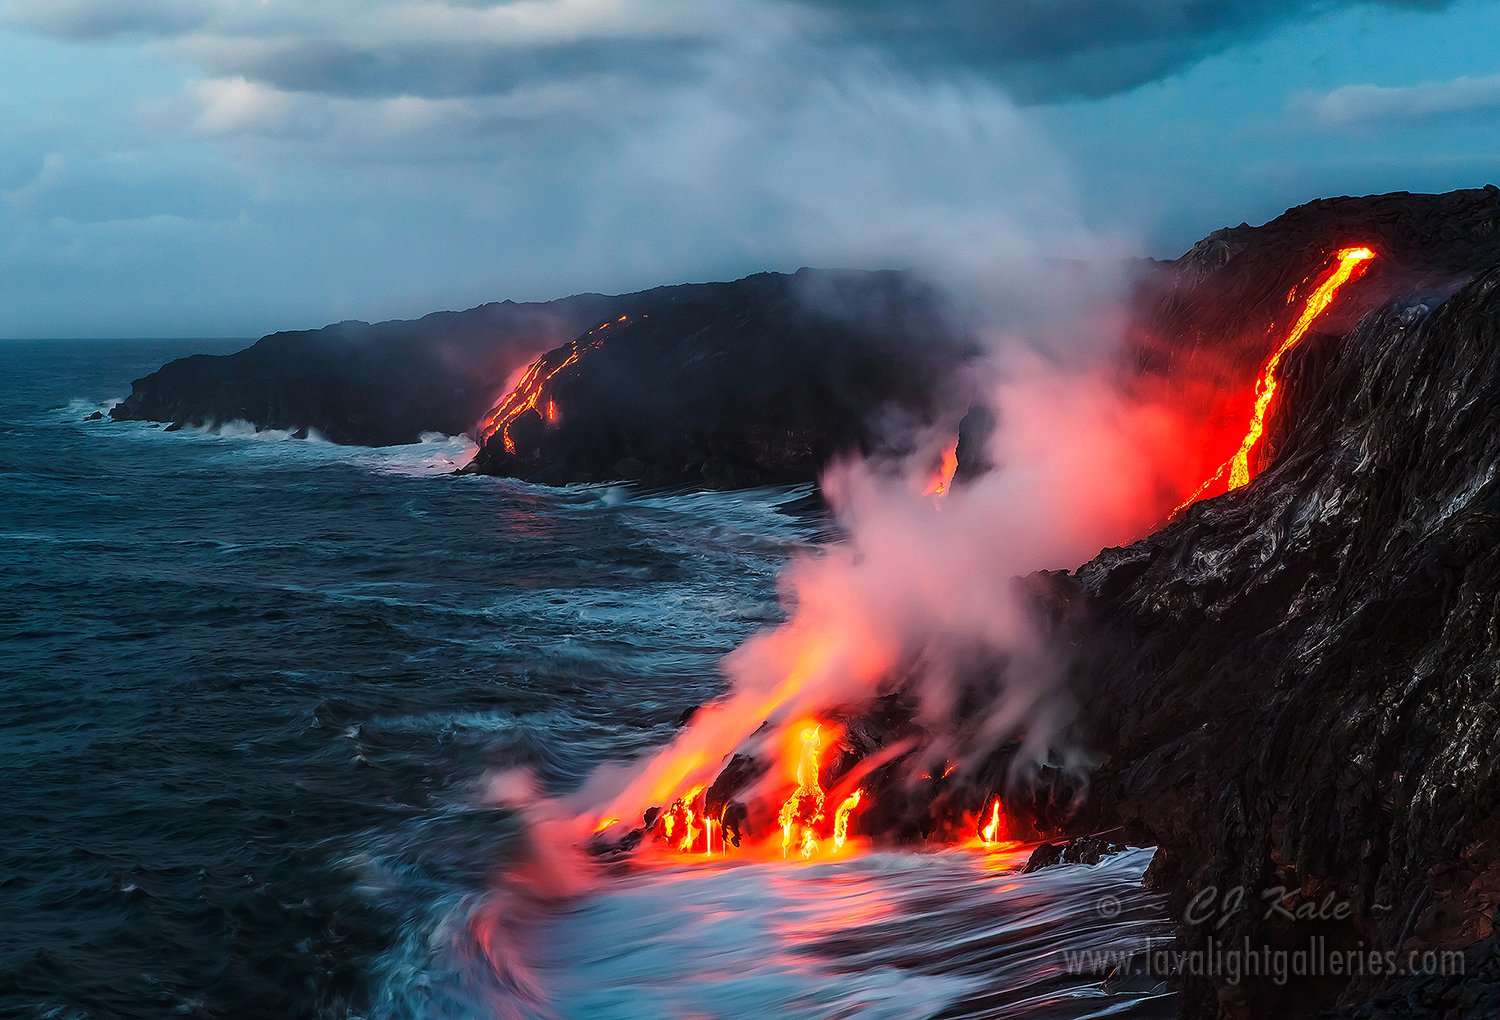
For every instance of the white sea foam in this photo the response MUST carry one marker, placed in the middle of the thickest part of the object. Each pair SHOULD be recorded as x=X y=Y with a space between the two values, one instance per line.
x=886 y=935
x=433 y=454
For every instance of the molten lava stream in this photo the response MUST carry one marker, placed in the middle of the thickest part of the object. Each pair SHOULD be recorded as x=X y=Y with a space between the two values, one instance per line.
x=1351 y=263
x=808 y=825
x=526 y=395
x=992 y=833
x=805 y=828
x=803 y=810
x=941 y=479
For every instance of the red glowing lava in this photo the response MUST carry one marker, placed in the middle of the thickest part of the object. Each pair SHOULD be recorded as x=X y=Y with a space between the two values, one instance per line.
x=527 y=394
x=803 y=810
x=1352 y=262
x=806 y=825
x=942 y=477
x=803 y=825
x=994 y=825
x=841 y=818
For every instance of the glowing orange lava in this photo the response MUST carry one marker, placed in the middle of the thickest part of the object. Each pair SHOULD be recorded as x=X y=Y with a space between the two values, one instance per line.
x=1351 y=260
x=682 y=823
x=992 y=829
x=804 y=808
x=942 y=477
x=1351 y=263
x=809 y=825
x=841 y=818
x=527 y=394
x=687 y=826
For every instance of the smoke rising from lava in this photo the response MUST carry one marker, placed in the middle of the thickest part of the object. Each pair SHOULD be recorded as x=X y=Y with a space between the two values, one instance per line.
x=923 y=594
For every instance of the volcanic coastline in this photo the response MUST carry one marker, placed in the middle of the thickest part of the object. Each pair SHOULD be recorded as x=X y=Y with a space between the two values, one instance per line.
x=1290 y=689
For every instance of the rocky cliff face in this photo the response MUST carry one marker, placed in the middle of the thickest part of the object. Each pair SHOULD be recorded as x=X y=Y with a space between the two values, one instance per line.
x=1294 y=689
x=756 y=382
x=1297 y=684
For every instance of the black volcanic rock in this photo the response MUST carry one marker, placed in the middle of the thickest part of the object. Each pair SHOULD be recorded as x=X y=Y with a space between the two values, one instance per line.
x=1201 y=321
x=367 y=384
x=1296 y=686
x=1082 y=850
x=756 y=382
x=1422 y=240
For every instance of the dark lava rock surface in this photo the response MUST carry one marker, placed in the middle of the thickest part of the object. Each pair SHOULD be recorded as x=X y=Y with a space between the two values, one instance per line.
x=754 y=382
x=757 y=382
x=1296 y=686
x=372 y=385
x=1081 y=850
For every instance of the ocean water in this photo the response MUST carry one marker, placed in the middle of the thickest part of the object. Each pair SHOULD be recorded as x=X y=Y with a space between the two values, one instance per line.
x=256 y=691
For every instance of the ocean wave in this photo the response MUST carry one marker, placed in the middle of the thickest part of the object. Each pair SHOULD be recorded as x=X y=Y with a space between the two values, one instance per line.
x=433 y=454
x=885 y=936
x=77 y=409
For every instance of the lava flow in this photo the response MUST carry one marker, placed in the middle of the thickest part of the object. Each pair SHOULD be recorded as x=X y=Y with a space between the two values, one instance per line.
x=804 y=808
x=527 y=394
x=1351 y=263
x=994 y=826
x=841 y=818
x=687 y=825
x=942 y=477
x=685 y=821
x=806 y=824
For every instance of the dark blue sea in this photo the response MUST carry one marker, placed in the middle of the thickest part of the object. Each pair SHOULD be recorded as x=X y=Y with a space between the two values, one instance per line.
x=255 y=689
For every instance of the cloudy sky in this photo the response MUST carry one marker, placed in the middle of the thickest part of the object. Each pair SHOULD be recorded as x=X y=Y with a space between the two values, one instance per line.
x=229 y=167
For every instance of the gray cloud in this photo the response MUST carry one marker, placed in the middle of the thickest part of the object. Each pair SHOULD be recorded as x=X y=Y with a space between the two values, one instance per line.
x=103 y=19
x=120 y=189
x=434 y=69
x=1037 y=49
x=1354 y=104
x=299 y=162
x=1049 y=49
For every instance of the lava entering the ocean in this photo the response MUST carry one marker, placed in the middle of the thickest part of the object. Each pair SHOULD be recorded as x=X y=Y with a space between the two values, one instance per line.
x=994 y=826
x=526 y=395
x=806 y=825
x=841 y=818
x=1352 y=262
x=803 y=810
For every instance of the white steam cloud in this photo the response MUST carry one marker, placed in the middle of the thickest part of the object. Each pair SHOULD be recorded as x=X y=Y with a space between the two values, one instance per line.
x=953 y=181
x=847 y=161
